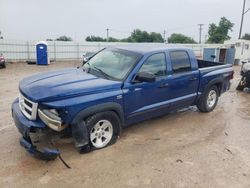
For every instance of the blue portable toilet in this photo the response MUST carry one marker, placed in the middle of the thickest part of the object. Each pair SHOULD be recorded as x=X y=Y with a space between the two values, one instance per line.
x=209 y=54
x=230 y=56
x=42 y=57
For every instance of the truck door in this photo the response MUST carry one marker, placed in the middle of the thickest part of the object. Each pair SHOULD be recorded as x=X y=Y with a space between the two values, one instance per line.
x=143 y=99
x=184 y=79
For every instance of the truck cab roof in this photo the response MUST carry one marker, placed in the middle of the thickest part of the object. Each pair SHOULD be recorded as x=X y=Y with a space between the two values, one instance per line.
x=147 y=48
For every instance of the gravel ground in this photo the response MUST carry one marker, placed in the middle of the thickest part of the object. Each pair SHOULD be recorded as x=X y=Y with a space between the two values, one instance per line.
x=183 y=149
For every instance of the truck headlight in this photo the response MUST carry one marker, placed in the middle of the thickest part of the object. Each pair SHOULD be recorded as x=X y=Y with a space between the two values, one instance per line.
x=51 y=118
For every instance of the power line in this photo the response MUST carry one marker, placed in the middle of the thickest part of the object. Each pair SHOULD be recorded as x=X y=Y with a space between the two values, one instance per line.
x=200 y=30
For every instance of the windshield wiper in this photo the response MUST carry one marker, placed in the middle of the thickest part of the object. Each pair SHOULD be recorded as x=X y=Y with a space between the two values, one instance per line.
x=103 y=73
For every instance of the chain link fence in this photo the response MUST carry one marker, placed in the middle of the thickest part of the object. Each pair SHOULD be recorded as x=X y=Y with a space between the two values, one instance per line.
x=14 y=50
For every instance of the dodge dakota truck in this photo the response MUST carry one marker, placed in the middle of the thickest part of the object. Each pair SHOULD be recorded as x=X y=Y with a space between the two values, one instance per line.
x=116 y=87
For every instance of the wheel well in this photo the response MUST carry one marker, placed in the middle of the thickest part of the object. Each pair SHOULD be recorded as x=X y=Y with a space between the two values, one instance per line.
x=219 y=86
x=111 y=110
x=84 y=114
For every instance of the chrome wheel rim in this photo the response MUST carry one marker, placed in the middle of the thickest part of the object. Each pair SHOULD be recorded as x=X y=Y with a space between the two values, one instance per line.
x=101 y=133
x=211 y=99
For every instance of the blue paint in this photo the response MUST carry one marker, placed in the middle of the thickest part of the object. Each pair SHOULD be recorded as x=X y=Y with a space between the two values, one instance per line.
x=72 y=90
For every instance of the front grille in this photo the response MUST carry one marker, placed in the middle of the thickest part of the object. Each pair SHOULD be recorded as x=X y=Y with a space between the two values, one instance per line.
x=28 y=108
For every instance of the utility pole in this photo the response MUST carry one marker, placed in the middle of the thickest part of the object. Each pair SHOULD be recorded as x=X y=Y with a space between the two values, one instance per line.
x=200 y=30
x=242 y=17
x=107 y=34
x=164 y=35
x=205 y=38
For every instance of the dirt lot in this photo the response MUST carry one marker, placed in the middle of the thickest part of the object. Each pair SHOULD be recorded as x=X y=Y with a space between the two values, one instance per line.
x=182 y=149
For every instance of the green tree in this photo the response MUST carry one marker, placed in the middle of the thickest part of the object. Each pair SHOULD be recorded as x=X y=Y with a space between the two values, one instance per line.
x=156 y=37
x=180 y=38
x=143 y=36
x=246 y=36
x=111 y=39
x=64 y=38
x=93 y=38
x=136 y=36
x=1 y=37
x=218 y=34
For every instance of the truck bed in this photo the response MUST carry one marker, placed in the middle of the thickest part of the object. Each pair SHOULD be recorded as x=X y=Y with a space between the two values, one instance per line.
x=208 y=66
x=205 y=64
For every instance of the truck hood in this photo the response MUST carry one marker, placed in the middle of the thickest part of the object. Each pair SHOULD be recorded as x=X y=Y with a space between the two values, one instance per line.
x=64 y=83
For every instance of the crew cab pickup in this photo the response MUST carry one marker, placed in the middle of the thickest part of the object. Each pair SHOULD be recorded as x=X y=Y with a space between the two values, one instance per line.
x=114 y=88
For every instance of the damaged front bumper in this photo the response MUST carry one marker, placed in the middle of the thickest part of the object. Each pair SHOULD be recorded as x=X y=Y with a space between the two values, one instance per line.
x=47 y=154
x=26 y=127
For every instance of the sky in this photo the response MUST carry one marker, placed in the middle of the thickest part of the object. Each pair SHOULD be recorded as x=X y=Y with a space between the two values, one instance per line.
x=42 y=19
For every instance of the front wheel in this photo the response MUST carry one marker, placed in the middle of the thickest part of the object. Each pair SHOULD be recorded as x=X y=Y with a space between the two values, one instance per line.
x=103 y=129
x=208 y=100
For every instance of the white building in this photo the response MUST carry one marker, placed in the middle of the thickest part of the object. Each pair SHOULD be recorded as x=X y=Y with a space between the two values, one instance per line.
x=242 y=49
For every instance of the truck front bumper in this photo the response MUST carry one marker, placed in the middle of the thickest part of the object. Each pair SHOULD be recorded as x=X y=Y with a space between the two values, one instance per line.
x=26 y=127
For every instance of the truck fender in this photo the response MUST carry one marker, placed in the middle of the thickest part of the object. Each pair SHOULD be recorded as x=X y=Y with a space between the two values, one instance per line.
x=79 y=129
x=216 y=81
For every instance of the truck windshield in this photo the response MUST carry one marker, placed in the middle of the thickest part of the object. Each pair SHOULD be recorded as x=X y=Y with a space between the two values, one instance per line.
x=112 y=63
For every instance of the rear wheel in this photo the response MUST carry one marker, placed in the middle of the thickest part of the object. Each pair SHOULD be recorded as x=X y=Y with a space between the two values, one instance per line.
x=208 y=100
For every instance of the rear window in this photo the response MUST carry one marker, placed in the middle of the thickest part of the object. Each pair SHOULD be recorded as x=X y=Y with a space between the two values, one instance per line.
x=180 y=61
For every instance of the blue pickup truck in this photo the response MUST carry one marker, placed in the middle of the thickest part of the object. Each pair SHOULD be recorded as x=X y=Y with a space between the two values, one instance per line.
x=114 y=88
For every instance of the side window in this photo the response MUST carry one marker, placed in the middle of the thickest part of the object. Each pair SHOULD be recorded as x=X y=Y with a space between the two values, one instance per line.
x=155 y=64
x=180 y=61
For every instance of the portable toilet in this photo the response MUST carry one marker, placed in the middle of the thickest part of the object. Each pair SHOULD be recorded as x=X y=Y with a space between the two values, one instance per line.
x=42 y=57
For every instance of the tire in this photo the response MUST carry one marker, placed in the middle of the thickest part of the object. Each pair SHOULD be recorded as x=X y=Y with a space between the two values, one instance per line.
x=241 y=85
x=209 y=99
x=103 y=129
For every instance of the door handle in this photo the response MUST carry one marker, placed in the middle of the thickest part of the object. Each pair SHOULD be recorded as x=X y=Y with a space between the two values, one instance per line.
x=163 y=85
x=193 y=79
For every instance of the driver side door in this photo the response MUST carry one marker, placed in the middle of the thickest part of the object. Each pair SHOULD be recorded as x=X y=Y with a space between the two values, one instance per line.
x=143 y=100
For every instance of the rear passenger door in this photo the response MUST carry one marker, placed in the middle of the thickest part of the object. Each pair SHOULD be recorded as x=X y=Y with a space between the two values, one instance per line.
x=184 y=79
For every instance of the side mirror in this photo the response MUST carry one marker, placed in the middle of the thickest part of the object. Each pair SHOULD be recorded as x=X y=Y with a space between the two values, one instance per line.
x=145 y=77
x=84 y=59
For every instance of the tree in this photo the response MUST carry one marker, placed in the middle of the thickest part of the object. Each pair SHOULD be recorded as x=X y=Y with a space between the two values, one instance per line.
x=180 y=38
x=64 y=38
x=1 y=37
x=218 y=34
x=246 y=36
x=93 y=38
x=49 y=39
x=156 y=37
x=111 y=39
x=136 y=36
x=143 y=36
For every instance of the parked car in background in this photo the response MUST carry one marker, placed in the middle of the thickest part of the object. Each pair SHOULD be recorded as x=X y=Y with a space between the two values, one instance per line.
x=116 y=87
x=2 y=61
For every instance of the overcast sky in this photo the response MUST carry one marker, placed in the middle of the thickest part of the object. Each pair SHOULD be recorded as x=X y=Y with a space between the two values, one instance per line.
x=42 y=19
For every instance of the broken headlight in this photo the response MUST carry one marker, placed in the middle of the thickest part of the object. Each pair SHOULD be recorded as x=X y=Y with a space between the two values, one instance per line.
x=51 y=118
